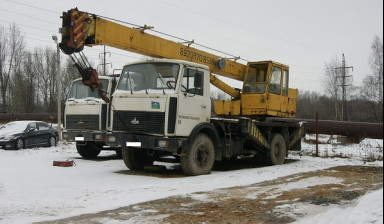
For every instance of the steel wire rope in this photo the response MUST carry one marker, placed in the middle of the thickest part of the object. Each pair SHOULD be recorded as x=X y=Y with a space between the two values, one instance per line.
x=169 y=35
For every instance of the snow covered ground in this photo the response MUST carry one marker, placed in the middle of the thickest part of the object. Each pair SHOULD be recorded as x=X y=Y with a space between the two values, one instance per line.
x=32 y=189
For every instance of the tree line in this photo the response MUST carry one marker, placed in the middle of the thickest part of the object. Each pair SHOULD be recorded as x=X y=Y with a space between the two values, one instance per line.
x=28 y=83
x=28 y=78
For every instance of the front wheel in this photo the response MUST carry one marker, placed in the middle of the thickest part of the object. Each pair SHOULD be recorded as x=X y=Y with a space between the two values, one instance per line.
x=19 y=144
x=135 y=158
x=200 y=157
x=89 y=150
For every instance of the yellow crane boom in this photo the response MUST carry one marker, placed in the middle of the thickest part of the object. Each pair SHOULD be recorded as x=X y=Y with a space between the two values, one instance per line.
x=81 y=29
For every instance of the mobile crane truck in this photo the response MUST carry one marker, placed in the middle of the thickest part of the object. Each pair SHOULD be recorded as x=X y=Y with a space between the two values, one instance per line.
x=162 y=108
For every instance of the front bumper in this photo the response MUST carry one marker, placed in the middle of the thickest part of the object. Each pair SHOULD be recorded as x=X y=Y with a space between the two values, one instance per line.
x=84 y=136
x=156 y=143
x=10 y=144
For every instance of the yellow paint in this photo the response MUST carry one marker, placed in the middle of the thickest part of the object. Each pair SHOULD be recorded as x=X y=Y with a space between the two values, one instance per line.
x=105 y=32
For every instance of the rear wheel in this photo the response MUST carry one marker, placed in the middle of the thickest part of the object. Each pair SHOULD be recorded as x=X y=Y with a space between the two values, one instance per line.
x=135 y=158
x=19 y=144
x=278 y=151
x=200 y=157
x=89 y=150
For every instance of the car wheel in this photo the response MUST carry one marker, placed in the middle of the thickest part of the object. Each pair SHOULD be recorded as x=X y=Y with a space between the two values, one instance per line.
x=52 y=141
x=19 y=144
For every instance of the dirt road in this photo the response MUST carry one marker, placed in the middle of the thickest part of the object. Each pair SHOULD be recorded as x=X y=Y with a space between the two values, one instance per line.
x=281 y=200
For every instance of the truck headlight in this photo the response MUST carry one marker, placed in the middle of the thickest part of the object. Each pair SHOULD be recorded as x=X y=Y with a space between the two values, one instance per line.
x=97 y=136
x=65 y=135
x=163 y=143
x=111 y=138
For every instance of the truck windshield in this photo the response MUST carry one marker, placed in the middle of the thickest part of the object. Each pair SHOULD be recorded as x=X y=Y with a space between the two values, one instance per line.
x=149 y=78
x=81 y=91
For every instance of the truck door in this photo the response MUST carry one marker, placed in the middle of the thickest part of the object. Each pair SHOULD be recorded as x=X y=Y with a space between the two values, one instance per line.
x=278 y=92
x=194 y=102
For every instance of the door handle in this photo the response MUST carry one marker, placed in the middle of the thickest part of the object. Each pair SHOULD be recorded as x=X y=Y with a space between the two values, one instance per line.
x=203 y=106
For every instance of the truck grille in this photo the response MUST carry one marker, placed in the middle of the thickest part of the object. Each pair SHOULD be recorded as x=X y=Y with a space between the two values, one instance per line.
x=139 y=122
x=82 y=122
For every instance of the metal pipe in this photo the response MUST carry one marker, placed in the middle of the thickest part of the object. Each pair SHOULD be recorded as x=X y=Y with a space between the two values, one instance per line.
x=345 y=128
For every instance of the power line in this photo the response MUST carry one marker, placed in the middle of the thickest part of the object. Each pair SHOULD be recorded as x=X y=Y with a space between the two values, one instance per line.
x=27 y=26
x=28 y=16
x=31 y=6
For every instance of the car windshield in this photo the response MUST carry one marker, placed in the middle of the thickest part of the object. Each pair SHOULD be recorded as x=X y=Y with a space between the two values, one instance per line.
x=81 y=91
x=149 y=78
x=14 y=127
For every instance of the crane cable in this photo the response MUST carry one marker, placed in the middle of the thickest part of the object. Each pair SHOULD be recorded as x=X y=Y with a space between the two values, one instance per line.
x=169 y=35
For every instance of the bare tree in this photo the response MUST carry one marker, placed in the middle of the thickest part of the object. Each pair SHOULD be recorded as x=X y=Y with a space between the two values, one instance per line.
x=69 y=74
x=11 y=48
x=331 y=84
x=372 y=88
x=4 y=76
x=46 y=66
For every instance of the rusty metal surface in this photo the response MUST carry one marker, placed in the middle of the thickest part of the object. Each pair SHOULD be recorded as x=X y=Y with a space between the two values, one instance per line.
x=345 y=128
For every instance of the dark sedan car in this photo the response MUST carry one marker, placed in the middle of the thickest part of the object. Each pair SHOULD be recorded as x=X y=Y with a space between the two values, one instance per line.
x=26 y=134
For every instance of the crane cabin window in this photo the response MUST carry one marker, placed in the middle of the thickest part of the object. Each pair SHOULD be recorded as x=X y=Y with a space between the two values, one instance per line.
x=256 y=79
x=275 y=84
x=285 y=83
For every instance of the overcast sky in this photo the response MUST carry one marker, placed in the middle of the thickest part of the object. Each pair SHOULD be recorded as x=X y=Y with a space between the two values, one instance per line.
x=303 y=34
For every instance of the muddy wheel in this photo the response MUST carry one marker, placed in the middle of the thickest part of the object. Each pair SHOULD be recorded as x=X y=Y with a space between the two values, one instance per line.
x=89 y=150
x=135 y=158
x=200 y=157
x=119 y=154
x=278 y=152
x=19 y=144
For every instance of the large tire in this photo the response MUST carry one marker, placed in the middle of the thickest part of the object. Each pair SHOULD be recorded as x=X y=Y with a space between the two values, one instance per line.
x=200 y=157
x=278 y=151
x=119 y=154
x=19 y=144
x=135 y=158
x=89 y=150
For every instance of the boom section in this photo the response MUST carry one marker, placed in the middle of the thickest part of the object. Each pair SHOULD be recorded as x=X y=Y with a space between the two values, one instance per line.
x=81 y=29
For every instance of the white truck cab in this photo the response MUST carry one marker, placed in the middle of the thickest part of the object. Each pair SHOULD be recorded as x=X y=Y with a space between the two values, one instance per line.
x=87 y=116
x=161 y=97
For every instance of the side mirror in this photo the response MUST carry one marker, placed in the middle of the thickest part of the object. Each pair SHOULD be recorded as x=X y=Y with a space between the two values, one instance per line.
x=31 y=129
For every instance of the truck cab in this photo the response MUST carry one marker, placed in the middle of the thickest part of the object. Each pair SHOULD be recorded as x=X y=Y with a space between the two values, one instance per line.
x=162 y=98
x=87 y=117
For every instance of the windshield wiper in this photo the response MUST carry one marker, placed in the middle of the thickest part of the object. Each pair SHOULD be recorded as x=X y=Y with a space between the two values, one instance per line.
x=162 y=82
x=129 y=82
x=145 y=84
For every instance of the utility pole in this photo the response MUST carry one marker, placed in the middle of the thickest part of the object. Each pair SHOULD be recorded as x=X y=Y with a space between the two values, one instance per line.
x=104 y=60
x=344 y=112
x=54 y=38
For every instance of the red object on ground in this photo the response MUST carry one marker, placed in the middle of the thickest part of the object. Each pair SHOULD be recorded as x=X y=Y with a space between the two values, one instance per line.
x=63 y=163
